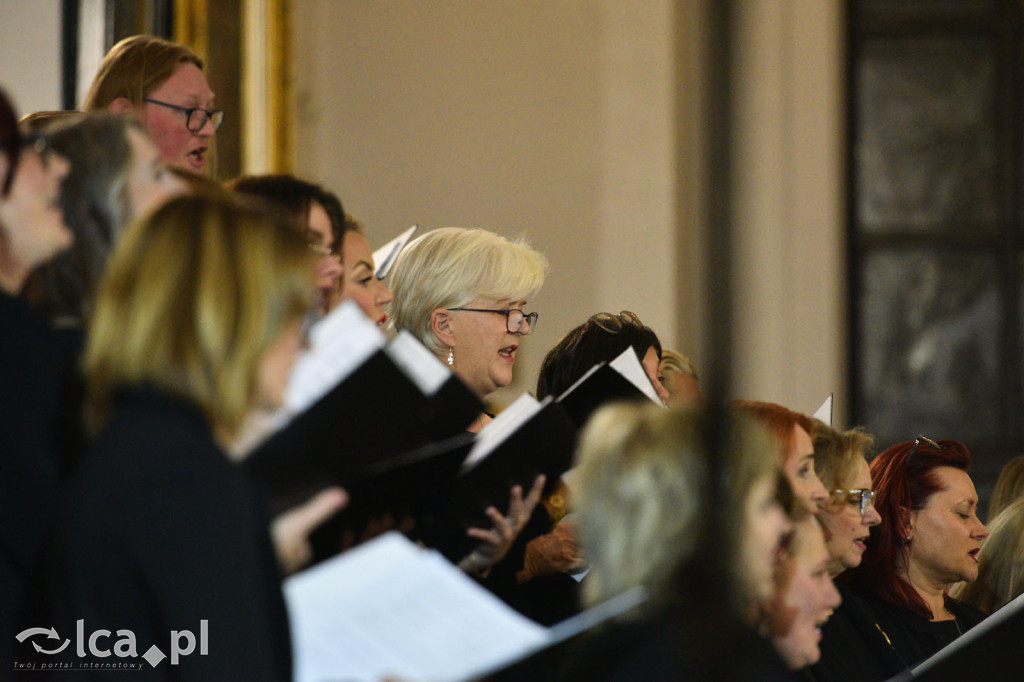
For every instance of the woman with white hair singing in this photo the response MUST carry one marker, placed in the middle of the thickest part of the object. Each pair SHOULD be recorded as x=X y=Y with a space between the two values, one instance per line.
x=463 y=294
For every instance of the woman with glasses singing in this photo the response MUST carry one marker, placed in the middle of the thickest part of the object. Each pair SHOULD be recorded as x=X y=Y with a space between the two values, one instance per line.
x=847 y=516
x=463 y=293
x=929 y=539
x=849 y=512
x=163 y=83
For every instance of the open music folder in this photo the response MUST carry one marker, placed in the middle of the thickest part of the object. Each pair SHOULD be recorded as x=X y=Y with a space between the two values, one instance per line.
x=352 y=401
x=623 y=378
x=527 y=439
x=391 y=609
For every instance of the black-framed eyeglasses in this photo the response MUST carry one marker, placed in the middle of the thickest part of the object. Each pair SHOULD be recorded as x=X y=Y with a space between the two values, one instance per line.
x=514 y=319
x=613 y=324
x=864 y=497
x=195 y=117
x=917 y=441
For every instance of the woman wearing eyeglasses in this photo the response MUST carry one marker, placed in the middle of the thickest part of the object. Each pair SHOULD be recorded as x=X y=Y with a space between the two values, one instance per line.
x=849 y=512
x=463 y=293
x=929 y=538
x=163 y=83
x=847 y=517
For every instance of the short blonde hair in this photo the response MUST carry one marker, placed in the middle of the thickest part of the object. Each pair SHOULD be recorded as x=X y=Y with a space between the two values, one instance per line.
x=645 y=477
x=1000 y=564
x=836 y=454
x=450 y=267
x=193 y=297
x=134 y=68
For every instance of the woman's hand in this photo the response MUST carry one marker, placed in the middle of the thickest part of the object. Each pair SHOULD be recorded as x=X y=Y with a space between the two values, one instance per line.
x=556 y=552
x=496 y=542
x=290 y=530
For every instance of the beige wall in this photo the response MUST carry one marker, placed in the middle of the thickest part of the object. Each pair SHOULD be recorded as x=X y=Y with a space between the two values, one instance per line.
x=30 y=68
x=790 y=298
x=550 y=119
x=577 y=123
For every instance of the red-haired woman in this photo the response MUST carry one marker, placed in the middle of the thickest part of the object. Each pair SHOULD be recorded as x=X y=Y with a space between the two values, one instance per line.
x=795 y=452
x=929 y=539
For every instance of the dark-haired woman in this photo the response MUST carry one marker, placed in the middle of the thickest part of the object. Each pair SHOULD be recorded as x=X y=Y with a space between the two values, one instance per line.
x=313 y=209
x=928 y=540
x=602 y=338
x=32 y=231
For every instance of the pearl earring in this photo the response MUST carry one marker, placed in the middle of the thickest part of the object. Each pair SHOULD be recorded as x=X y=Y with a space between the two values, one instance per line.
x=451 y=357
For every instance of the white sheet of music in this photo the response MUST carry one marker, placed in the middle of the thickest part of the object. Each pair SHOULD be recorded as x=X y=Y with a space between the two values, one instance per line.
x=503 y=426
x=417 y=362
x=390 y=608
x=824 y=413
x=629 y=366
x=385 y=256
x=338 y=343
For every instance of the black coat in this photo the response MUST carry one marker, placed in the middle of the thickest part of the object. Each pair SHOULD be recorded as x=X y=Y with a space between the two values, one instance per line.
x=869 y=640
x=160 y=532
x=674 y=646
x=39 y=427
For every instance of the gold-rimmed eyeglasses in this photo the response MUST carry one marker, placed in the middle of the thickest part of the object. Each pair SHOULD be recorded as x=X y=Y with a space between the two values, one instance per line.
x=864 y=497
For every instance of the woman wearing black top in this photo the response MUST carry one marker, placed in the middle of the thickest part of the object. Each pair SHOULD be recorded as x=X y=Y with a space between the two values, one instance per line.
x=198 y=321
x=32 y=359
x=929 y=539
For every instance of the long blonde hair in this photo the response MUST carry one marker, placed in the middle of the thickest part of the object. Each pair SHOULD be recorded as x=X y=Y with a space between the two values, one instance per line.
x=193 y=297
x=1000 y=564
